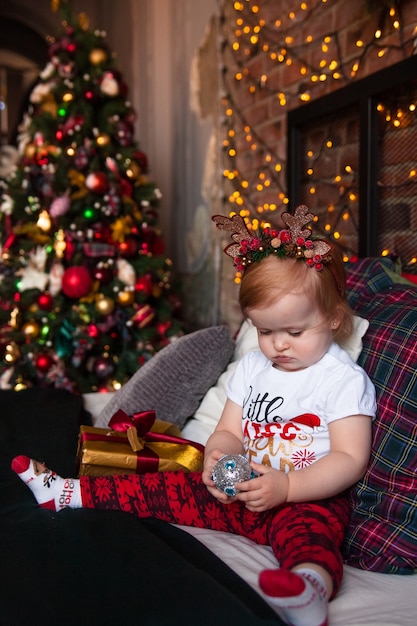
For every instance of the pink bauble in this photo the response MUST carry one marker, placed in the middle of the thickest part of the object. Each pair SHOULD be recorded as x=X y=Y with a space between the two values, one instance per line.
x=59 y=206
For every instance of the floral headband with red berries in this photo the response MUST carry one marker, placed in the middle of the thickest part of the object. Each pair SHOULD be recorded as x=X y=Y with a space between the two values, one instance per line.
x=296 y=241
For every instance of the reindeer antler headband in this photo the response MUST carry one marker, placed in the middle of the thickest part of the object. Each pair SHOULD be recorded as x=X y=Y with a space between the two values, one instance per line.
x=295 y=241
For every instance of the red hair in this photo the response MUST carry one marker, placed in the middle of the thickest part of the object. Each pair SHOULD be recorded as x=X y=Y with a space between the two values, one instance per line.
x=267 y=280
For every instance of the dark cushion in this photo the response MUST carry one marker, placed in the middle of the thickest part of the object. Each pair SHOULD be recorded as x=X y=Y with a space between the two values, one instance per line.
x=174 y=381
x=382 y=535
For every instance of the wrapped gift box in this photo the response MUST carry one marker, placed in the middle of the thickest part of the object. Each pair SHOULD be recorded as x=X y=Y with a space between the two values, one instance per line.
x=136 y=444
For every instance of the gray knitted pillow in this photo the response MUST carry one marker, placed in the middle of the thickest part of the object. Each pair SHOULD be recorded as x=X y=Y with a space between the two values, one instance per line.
x=174 y=381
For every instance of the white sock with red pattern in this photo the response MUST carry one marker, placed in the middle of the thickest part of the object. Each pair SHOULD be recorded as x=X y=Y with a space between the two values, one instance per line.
x=50 y=490
x=301 y=595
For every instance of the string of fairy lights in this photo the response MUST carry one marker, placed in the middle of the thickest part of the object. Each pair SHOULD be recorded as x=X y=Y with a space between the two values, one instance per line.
x=276 y=60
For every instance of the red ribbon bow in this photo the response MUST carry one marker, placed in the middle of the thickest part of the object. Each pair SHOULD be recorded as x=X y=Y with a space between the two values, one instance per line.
x=142 y=421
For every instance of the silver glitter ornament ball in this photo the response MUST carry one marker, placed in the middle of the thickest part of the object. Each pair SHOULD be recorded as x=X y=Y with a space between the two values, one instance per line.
x=229 y=470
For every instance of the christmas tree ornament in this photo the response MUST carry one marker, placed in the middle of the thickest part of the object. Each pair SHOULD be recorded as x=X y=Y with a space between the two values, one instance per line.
x=104 y=305
x=93 y=331
x=45 y=301
x=11 y=354
x=163 y=327
x=97 y=56
x=142 y=161
x=126 y=272
x=121 y=227
x=31 y=330
x=128 y=247
x=103 y=367
x=103 y=140
x=15 y=316
x=144 y=284
x=109 y=85
x=229 y=470
x=44 y=221
x=20 y=385
x=78 y=186
x=76 y=282
x=97 y=182
x=55 y=277
x=44 y=362
x=143 y=316
x=6 y=256
x=59 y=206
x=125 y=298
x=91 y=214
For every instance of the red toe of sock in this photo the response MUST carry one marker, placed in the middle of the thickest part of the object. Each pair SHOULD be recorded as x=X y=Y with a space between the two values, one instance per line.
x=280 y=583
x=20 y=464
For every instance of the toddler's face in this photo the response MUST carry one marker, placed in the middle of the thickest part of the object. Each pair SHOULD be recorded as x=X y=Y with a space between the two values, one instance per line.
x=292 y=332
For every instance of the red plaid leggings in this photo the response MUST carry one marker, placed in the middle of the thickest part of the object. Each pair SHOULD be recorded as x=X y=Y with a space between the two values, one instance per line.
x=298 y=533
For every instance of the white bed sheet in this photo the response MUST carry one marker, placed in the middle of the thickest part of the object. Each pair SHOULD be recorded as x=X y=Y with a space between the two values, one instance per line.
x=365 y=598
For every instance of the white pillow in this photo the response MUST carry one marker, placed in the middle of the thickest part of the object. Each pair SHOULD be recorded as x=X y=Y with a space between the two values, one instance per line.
x=204 y=421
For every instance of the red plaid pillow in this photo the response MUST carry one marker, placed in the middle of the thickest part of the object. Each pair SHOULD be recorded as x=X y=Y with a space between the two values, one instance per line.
x=383 y=530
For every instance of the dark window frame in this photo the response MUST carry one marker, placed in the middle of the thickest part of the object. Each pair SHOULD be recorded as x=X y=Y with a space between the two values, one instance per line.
x=363 y=93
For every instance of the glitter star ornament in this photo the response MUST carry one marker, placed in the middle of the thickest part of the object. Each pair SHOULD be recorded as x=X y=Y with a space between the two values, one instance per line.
x=229 y=470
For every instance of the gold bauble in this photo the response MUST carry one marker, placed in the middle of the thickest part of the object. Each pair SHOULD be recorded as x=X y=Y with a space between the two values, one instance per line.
x=97 y=56
x=104 y=305
x=11 y=353
x=133 y=170
x=6 y=256
x=20 y=385
x=31 y=330
x=30 y=151
x=103 y=140
x=125 y=298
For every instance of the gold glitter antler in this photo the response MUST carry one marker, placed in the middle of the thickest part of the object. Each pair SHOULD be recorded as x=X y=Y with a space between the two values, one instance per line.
x=237 y=226
x=296 y=224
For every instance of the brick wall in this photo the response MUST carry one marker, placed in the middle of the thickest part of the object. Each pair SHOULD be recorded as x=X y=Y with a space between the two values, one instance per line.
x=276 y=56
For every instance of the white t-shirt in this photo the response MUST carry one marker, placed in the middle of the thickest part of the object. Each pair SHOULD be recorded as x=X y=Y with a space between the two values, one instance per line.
x=286 y=414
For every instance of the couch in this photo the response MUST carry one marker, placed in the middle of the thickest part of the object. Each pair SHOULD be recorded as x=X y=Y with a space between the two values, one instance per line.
x=91 y=567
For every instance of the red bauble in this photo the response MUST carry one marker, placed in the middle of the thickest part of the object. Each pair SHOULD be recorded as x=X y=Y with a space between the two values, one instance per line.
x=97 y=182
x=76 y=282
x=45 y=301
x=44 y=362
x=163 y=327
x=93 y=331
x=142 y=160
x=155 y=243
x=126 y=188
x=144 y=284
x=128 y=247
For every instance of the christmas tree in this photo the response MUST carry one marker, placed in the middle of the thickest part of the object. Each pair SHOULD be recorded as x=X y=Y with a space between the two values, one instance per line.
x=86 y=290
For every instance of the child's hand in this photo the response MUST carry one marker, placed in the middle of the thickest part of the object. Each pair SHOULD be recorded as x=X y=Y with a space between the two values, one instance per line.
x=269 y=489
x=210 y=461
